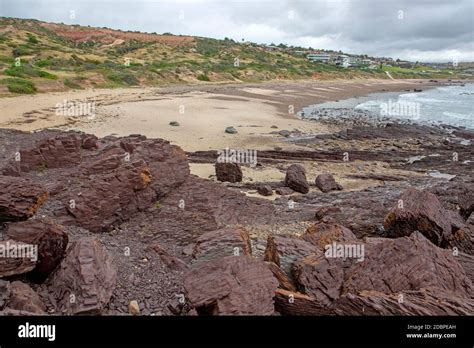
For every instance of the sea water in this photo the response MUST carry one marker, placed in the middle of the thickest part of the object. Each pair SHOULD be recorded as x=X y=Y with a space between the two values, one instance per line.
x=453 y=105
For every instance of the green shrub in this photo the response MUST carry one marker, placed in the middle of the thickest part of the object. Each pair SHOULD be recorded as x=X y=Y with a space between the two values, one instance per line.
x=26 y=70
x=32 y=39
x=123 y=78
x=203 y=77
x=21 y=86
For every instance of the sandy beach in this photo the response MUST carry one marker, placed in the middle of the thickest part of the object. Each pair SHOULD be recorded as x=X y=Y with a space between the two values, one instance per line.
x=202 y=111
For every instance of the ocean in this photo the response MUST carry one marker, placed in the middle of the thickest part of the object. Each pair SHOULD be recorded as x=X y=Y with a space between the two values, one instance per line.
x=453 y=105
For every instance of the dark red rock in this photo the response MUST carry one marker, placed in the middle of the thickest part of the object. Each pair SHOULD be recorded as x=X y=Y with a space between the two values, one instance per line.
x=24 y=298
x=230 y=172
x=50 y=239
x=284 y=191
x=325 y=182
x=265 y=190
x=419 y=211
x=285 y=250
x=322 y=234
x=466 y=201
x=423 y=302
x=387 y=265
x=231 y=285
x=172 y=262
x=220 y=243
x=19 y=198
x=296 y=178
x=85 y=280
x=16 y=258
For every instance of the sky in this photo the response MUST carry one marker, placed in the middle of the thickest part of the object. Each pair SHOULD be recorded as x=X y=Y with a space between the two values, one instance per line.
x=415 y=30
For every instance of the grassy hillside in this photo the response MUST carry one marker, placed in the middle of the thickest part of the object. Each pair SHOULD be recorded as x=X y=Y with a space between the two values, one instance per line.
x=37 y=57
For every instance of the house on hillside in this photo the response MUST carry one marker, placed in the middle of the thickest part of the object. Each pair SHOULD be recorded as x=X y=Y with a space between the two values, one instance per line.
x=343 y=60
x=319 y=57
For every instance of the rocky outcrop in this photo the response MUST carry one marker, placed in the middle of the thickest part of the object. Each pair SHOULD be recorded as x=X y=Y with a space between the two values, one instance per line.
x=284 y=250
x=231 y=285
x=296 y=178
x=20 y=198
x=419 y=211
x=230 y=241
x=50 y=239
x=325 y=182
x=230 y=172
x=322 y=234
x=265 y=190
x=84 y=282
x=24 y=298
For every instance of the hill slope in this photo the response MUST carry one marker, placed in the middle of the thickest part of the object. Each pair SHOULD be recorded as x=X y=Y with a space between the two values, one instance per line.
x=36 y=57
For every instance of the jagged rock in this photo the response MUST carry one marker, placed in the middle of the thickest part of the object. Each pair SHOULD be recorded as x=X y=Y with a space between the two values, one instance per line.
x=424 y=302
x=24 y=298
x=4 y=293
x=296 y=303
x=50 y=239
x=56 y=151
x=466 y=201
x=322 y=234
x=419 y=211
x=296 y=178
x=265 y=190
x=85 y=280
x=284 y=250
x=320 y=277
x=220 y=243
x=284 y=191
x=467 y=263
x=325 y=182
x=16 y=258
x=231 y=285
x=283 y=279
x=230 y=172
x=89 y=142
x=19 y=198
x=388 y=266
x=105 y=200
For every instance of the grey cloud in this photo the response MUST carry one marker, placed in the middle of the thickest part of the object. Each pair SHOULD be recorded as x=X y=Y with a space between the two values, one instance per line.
x=428 y=28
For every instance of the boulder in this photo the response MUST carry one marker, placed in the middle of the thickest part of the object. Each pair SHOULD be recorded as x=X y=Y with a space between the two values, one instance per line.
x=85 y=280
x=50 y=239
x=284 y=191
x=419 y=211
x=229 y=241
x=388 y=266
x=19 y=198
x=322 y=234
x=466 y=201
x=16 y=258
x=265 y=190
x=296 y=178
x=230 y=172
x=325 y=182
x=284 y=250
x=24 y=298
x=231 y=285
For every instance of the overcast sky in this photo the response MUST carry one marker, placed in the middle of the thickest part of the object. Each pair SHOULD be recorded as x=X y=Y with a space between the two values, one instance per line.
x=423 y=30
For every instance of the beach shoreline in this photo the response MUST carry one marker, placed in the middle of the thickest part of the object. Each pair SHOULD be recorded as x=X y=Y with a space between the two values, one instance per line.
x=256 y=111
